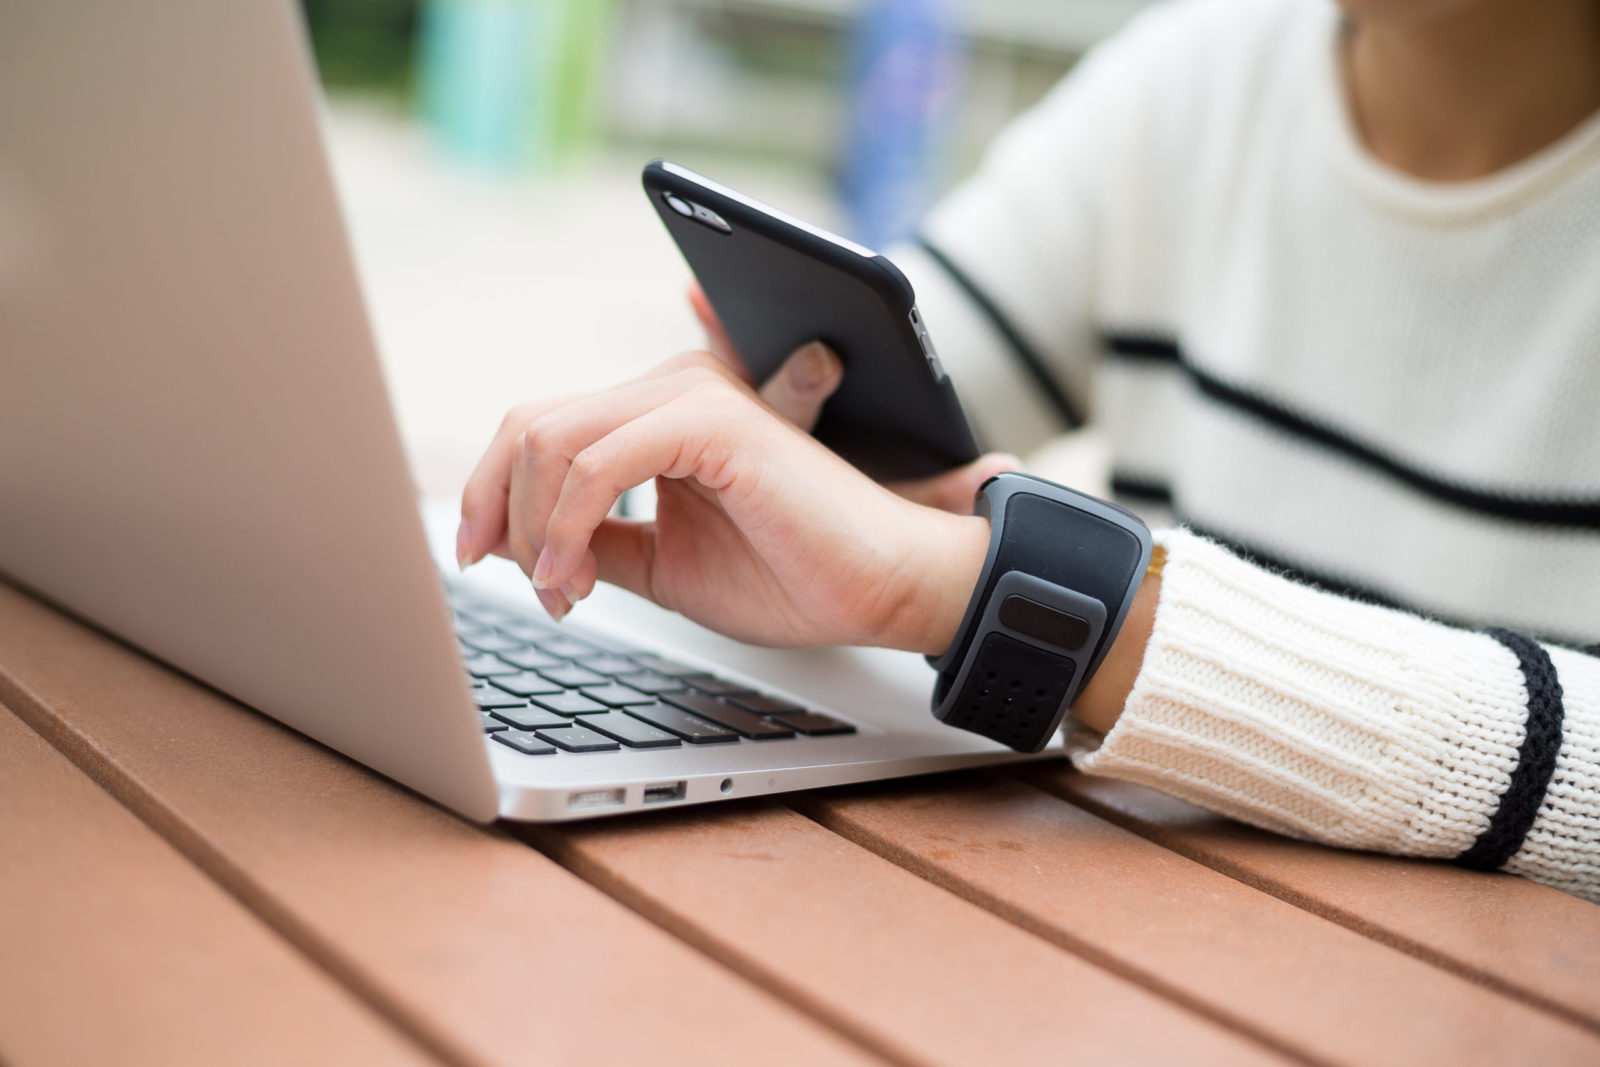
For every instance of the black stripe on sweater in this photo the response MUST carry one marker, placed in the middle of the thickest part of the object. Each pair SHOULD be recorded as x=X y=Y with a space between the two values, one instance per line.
x=1536 y=759
x=1577 y=513
x=1137 y=489
x=1144 y=490
x=1032 y=361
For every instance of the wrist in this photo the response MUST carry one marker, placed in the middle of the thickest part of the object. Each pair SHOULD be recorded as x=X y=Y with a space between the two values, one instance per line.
x=1100 y=704
x=942 y=566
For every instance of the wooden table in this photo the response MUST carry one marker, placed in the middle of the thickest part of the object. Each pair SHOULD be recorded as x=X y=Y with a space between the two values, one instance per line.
x=184 y=881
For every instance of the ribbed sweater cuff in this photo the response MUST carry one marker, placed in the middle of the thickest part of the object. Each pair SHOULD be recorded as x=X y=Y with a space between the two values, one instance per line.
x=1313 y=715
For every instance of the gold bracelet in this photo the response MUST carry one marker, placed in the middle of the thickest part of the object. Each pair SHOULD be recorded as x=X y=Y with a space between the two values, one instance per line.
x=1158 y=559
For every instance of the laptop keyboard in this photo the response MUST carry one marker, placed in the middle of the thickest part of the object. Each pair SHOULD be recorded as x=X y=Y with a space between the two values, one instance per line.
x=543 y=692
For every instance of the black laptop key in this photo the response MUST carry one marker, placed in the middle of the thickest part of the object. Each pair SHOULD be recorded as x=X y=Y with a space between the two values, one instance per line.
x=484 y=665
x=762 y=704
x=492 y=616
x=651 y=682
x=577 y=739
x=692 y=729
x=662 y=665
x=531 y=659
x=525 y=683
x=526 y=743
x=813 y=723
x=530 y=718
x=488 y=698
x=527 y=631
x=469 y=612
x=572 y=677
x=630 y=731
x=489 y=722
x=616 y=695
x=490 y=641
x=608 y=663
x=710 y=683
x=746 y=723
x=570 y=704
x=567 y=647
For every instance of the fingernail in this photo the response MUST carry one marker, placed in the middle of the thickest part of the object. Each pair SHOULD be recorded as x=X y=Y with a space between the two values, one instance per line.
x=463 y=545
x=554 y=603
x=808 y=370
x=542 y=568
x=568 y=591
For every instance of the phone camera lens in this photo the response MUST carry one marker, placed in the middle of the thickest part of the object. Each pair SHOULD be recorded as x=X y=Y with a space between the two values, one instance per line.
x=680 y=205
x=711 y=218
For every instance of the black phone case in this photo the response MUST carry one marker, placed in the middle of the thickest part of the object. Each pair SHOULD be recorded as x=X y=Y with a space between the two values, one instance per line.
x=777 y=285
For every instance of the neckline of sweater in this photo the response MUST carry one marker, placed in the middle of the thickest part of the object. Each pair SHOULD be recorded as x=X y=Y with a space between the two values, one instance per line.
x=1574 y=153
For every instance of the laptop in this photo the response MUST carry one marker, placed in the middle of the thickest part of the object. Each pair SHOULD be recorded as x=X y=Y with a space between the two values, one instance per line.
x=197 y=455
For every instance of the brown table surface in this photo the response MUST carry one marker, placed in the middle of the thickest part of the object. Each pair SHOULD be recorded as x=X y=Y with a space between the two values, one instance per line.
x=185 y=881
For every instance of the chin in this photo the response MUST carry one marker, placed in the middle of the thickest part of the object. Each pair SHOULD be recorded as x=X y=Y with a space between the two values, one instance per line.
x=1400 y=12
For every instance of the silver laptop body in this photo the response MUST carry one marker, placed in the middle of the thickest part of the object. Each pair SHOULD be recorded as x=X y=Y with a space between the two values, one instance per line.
x=198 y=455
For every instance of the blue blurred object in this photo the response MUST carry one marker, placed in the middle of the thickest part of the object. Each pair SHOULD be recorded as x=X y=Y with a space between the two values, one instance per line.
x=907 y=69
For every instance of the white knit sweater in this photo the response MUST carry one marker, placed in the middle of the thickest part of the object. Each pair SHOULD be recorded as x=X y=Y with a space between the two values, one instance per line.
x=1383 y=387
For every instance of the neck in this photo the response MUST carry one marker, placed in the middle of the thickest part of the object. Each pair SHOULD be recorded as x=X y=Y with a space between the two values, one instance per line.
x=1461 y=95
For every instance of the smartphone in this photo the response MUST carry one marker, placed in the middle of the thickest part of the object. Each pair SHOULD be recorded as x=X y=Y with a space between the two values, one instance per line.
x=777 y=283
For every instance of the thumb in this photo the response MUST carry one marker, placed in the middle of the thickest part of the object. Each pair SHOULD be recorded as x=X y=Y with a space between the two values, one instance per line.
x=798 y=388
x=957 y=488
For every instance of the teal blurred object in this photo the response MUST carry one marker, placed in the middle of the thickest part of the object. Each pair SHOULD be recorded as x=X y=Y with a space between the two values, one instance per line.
x=511 y=84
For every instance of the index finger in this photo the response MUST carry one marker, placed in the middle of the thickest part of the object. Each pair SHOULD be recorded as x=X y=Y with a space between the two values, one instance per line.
x=484 y=500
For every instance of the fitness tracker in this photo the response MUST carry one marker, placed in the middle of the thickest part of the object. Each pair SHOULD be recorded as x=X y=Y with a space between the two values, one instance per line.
x=1061 y=572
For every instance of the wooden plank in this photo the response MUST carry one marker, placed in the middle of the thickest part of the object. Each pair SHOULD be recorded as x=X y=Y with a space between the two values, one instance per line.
x=115 y=949
x=1517 y=936
x=484 y=950
x=913 y=971
x=1296 y=980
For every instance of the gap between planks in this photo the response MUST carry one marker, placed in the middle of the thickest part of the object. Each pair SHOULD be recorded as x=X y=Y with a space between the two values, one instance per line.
x=148 y=809
x=550 y=842
x=1175 y=841
x=804 y=805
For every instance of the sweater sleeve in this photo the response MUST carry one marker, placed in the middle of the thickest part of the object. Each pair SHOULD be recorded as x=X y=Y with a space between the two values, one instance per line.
x=1359 y=726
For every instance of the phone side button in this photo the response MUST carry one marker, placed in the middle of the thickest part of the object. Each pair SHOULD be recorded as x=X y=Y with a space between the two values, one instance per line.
x=934 y=365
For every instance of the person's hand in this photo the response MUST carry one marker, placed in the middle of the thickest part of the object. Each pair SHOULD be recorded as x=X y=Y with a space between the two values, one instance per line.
x=760 y=532
x=808 y=377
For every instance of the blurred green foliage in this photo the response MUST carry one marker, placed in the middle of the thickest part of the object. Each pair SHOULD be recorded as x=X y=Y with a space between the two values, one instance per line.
x=364 y=44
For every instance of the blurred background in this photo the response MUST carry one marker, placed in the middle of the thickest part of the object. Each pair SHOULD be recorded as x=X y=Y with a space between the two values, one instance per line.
x=488 y=154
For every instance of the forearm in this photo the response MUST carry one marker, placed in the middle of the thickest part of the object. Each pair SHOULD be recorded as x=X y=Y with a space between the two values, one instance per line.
x=1323 y=718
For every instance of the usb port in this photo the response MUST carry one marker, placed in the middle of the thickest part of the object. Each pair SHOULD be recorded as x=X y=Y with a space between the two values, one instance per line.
x=594 y=798
x=665 y=792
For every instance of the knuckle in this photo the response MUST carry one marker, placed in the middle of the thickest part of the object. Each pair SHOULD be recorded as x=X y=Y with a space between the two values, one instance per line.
x=691 y=359
x=705 y=368
x=702 y=358
x=518 y=415
x=588 y=467
x=717 y=393
x=538 y=437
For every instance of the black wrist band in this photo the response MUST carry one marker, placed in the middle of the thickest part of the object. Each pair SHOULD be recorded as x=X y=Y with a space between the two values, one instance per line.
x=1059 y=578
